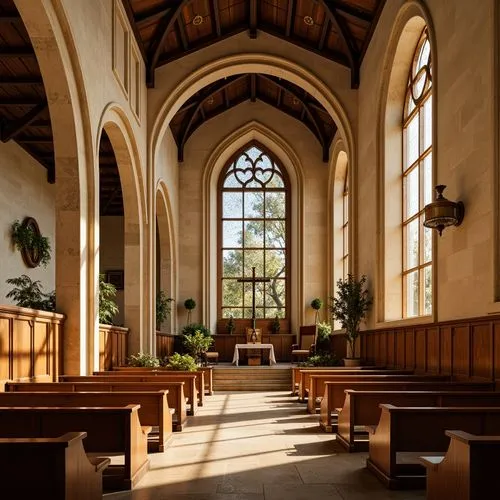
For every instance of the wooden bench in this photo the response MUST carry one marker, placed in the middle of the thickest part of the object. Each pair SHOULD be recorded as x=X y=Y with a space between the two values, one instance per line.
x=403 y=430
x=334 y=369
x=110 y=431
x=361 y=408
x=468 y=471
x=153 y=411
x=304 y=376
x=190 y=389
x=175 y=397
x=56 y=468
x=334 y=395
x=317 y=383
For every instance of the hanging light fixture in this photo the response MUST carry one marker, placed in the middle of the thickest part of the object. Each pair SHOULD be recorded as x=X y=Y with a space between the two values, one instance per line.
x=442 y=213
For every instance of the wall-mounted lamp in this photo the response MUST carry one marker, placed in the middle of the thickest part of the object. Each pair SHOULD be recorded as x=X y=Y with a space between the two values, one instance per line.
x=442 y=212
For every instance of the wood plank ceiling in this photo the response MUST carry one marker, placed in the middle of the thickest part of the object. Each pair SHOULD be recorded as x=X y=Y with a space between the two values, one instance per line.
x=339 y=30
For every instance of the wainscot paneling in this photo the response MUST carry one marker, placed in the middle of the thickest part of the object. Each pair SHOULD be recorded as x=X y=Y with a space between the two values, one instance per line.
x=165 y=343
x=113 y=346
x=466 y=348
x=30 y=344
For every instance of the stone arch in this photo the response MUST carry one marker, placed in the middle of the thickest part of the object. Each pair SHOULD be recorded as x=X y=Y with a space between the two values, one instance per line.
x=408 y=25
x=252 y=131
x=50 y=35
x=338 y=171
x=118 y=129
x=167 y=273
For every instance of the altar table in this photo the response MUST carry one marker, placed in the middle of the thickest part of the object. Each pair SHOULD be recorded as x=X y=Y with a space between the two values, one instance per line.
x=270 y=347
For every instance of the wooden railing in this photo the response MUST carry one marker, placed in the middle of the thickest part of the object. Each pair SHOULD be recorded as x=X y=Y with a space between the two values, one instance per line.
x=113 y=346
x=164 y=344
x=465 y=348
x=30 y=344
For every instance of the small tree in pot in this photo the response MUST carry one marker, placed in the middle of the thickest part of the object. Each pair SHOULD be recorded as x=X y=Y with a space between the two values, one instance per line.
x=316 y=304
x=349 y=307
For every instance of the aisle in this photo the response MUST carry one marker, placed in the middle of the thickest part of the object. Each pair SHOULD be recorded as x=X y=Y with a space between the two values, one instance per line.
x=257 y=446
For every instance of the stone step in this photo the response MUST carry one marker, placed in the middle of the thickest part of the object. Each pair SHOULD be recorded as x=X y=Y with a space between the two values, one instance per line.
x=251 y=387
x=244 y=378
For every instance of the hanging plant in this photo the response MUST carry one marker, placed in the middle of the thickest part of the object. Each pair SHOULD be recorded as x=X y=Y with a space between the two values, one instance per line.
x=26 y=237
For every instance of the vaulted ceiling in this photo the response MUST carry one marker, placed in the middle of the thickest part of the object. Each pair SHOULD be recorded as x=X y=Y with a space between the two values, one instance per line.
x=339 y=30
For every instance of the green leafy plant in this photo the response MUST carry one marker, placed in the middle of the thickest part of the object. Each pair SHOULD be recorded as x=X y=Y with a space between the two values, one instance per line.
x=324 y=331
x=34 y=247
x=107 y=306
x=275 y=325
x=144 y=360
x=28 y=293
x=350 y=306
x=163 y=308
x=230 y=326
x=192 y=328
x=182 y=362
x=189 y=304
x=323 y=359
x=197 y=344
x=316 y=304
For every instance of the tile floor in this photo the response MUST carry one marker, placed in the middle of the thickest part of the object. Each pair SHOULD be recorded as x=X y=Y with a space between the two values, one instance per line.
x=257 y=446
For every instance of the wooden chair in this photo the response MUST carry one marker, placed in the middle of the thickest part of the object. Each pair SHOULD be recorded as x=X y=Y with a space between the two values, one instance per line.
x=307 y=343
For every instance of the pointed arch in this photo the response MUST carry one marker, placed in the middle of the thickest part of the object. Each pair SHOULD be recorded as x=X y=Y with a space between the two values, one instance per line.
x=252 y=131
x=412 y=18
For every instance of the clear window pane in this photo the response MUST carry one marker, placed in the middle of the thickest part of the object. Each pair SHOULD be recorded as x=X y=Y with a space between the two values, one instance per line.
x=428 y=188
x=254 y=258
x=427 y=123
x=412 y=196
x=427 y=244
x=232 y=263
x=254 y=234
x=275 y=263
x=276 y=234
x=254 y=205
x=428 y=290
x=232 y=234
x=275 y=293
x=259 y=294
x=231 y=182
x=412 y=132
x=412 y=230
x=412 y=294
x=232 y=292
x=275 y=205
x=276 y=181
x=232 y=205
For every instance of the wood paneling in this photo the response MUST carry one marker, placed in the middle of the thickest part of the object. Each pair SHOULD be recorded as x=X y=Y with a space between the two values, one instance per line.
x=113 y=346
x=466 y=348
x=164 y=344
x=30 y=344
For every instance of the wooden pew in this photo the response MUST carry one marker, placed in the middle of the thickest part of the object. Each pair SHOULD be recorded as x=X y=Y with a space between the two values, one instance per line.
x=190 y=390
x=305 y=374
x=175 y=396
x=56 y=468
x=403 y=429
x=334 y=369
x=468 y=471
x=207 y=370
x=317 y=383
x=110 y=431
x=153 y=411
x=334 y=395
x=361 y=408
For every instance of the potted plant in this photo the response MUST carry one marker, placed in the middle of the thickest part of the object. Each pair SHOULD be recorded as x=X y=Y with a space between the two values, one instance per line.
x=275 y=325
x=324 y=330
x=181 y=362
x=316 y=304
x=34 y=247
x=107 y=306
x=349 y=307
x=197 y=344
x=143 y=360
x=163 y=308
x=28 y=293
x=230 y=325
x=189 y=304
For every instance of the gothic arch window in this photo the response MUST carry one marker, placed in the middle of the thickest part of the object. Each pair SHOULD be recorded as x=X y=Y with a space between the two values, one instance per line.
x=417 y=179
x=254 y=222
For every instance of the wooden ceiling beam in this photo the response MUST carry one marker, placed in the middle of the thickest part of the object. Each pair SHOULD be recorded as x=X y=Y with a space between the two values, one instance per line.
x=159 y=37
x=324 y=33
x=127 y=5
x=290 y=16
x=278 y=100
x=20 y=81
x=253 y=87
x=14 y=128
x=10 y=17
x=8 y=102
x=215 y=15
x=353 y=11
x=253 y=19
x=36 y=140
x=227 y=102
x=151 y=14
x=182 y=34
x=205 y=93
x=353 y=53
x=11 y=52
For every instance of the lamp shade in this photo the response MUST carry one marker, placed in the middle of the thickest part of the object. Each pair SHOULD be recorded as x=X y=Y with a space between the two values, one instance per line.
x=442 y=212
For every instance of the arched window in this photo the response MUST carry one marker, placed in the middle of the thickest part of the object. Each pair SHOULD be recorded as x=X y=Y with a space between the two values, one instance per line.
x=345 y=227
x=417 y=181
x=253 y=232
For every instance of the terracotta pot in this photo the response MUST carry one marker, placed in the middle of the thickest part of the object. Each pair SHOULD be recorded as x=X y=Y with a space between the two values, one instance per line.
x=352 y=361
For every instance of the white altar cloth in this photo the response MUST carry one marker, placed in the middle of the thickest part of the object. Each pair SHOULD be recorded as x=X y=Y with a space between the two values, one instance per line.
x=237 y=347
